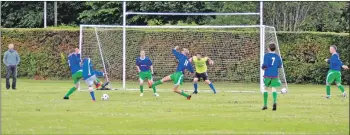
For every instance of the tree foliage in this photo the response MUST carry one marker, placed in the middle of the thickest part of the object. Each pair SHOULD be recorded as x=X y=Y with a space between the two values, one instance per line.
x=285 y=16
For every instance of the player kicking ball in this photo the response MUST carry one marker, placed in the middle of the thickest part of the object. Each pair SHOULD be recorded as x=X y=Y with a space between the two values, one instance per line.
x=272 y=62
x=143 y=65
x=89 y=76
x=177 y=77
x=334 y=74
x=77 y=73
x=201 y=71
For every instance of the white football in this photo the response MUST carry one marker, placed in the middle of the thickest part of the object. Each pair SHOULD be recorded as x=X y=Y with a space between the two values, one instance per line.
x=105 y=97
x=284 y=91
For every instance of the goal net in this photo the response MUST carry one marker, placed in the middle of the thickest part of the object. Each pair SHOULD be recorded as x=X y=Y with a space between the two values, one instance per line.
x=235 y=51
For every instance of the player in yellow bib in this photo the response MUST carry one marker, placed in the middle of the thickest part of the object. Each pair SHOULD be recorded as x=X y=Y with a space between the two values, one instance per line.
x=201 y=71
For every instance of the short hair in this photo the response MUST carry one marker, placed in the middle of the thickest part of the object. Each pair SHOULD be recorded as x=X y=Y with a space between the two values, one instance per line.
x=186 y=50
x=272 y=46
x=335 y=47
x=199 y=53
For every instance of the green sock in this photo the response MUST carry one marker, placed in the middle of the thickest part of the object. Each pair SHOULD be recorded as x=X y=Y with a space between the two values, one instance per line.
x=265 y=98
x=274 y=95
x=328 y=90
x=98 y=80
x=341 y=87
x=184 y=94
x=141 y=88
x=70 y=91
x=157 y=83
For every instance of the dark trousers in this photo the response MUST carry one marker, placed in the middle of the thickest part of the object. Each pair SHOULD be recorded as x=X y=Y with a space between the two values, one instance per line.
x=11 y=70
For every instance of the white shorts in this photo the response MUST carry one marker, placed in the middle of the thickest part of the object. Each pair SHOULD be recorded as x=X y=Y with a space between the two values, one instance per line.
x=90 y=80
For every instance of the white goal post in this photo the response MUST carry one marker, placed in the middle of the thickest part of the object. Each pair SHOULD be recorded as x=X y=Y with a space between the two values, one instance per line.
x=114 y=48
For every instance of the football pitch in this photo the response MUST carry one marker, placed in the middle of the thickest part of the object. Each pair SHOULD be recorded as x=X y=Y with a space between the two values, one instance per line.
x=37 y=107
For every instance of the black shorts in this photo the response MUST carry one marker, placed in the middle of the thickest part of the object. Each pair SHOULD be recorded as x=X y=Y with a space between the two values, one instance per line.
x=201 y=75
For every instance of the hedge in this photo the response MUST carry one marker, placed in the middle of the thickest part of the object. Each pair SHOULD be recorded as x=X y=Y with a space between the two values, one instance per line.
x=236 y=53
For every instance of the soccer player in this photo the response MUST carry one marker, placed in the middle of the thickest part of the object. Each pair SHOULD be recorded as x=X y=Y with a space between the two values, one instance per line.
x=177 y=77
x=334 y=74
x=145 y=69
x=75 y=68
x=272 y=62
x=201 y=71
x=77 y=73
x=89 y=75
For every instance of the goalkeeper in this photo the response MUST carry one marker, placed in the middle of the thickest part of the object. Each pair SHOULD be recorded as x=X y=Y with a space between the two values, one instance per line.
x=77 y=73
x=272 y=62
x=177 y=77
x=334 y=74
x=143 y=65
x=201 y=71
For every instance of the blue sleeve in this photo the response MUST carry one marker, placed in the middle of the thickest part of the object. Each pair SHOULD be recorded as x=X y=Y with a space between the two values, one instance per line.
x=5 y=57
x=150 y=62
x=137 y=62
x=335 y=60
x=264 y=65
x=17 y=58
x=190 y=68
x=79 y=58
x=280 y=62
x=98 y=73
x=177 y=54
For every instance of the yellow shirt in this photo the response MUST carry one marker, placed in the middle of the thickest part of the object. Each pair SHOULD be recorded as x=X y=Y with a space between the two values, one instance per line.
x=201 y=65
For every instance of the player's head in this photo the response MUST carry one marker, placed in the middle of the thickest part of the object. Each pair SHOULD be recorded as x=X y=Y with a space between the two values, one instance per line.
x=142 y=54
x=333 y=49
x=76 y=50
x=272 y=47
x=11 y=46
x=185 y=51
x=199 y=55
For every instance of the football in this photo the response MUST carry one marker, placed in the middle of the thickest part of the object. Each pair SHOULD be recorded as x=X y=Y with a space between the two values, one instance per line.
x=105 y=97
x=284 y=91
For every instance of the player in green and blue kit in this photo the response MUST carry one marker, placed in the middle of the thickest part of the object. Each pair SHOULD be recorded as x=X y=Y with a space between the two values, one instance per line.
x=334 y=74
x=272 y=62
x=89 y=75
x=77 y=73
x=145 y=69
x=177 y=77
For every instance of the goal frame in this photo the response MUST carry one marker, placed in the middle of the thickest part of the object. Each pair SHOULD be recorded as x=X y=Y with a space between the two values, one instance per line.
x=124 y=26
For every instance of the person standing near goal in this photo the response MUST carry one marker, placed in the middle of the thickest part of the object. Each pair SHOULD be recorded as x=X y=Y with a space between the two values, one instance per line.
x=201 y=71
x=89 y=75
x=177 y=77
x=334 y=74
x=272 y=62
x=145 y=69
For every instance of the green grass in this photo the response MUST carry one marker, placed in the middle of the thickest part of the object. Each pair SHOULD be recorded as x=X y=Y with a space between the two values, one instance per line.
x=37 y=108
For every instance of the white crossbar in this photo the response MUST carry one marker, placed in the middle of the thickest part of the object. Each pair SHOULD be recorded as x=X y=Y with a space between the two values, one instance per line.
x=186 y=14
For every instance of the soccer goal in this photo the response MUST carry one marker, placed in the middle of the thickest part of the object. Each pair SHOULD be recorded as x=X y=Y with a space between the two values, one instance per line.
x=237 y=50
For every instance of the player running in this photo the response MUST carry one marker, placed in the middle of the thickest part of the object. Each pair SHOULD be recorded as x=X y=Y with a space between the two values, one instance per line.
x=334 y=74
x=201 y=71
x=143 y=65
x=89 y=75
x=77 y=73
x=177 y=77
x=272 y=62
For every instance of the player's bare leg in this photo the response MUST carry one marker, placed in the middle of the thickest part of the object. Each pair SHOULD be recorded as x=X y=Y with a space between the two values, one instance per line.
x=210 y=85
x=274 y=95
x=265 y=93
x=181 y=92
x=141 y=87
x=195 y=85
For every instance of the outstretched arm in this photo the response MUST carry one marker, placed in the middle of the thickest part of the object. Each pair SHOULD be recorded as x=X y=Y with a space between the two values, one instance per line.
x=176 y=53
x=211 y=62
